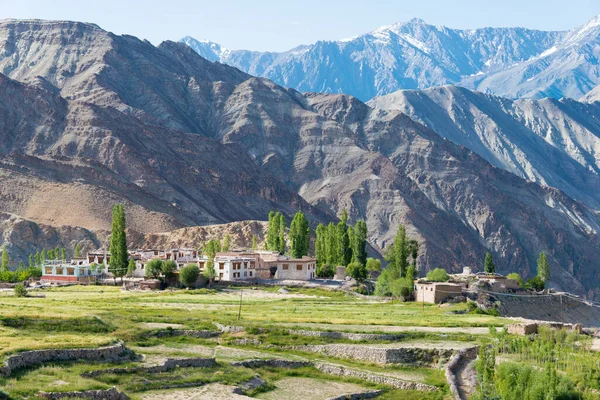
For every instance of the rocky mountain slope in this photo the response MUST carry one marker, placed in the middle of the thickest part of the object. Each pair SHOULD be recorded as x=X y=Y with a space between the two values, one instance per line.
x=184 y=141
x=512 y=62
x=552 y=142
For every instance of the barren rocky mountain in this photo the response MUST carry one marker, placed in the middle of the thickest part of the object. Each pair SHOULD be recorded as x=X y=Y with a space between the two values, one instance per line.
x=552 y=142
x=101 y=118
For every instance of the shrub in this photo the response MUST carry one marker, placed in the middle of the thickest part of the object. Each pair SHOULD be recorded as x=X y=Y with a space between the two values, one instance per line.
x=168 y=267
x=438 y=275
x=20 y=290
x=326 y=271
x=357 y=271
x=189 y=274
x=535 y=283
x=517 y=278
x=154 y=268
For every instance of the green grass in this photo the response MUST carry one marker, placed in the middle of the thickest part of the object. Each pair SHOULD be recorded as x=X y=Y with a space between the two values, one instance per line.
x=92 y=316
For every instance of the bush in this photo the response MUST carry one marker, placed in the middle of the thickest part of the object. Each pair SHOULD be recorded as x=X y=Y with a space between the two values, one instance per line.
x=189 y=274
x=535 y=283
x=326 y=271
x=438 y=275
x=20 y=290
x=517 y=278
x=383 y=286
x=357 y=271
x=7 y=275
x=154 y=268
x=168 y=267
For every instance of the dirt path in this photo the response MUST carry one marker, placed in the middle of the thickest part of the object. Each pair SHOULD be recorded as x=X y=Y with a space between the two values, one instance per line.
x=467 y=376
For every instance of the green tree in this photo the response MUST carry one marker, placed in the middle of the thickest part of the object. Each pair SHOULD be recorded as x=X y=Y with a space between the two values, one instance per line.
x=321 y=245
x=373 y=266
x=43 y=257
x=344 y=245
x=154 y=268
x=38 y=259
x=299 y=236
x=209 y=271
x=438 y=275
x=332 y=242
x=488 y=265
x=49 y=255
x=272 y=242
x=57 y=254
x=543 y=269
x=64 y=254
x=357 y=271
x=131 y=268
x=31 y=262
x=254 y=245
x=77 y=251
x=401 y=251
x=168 y=268
x=188 y=275
x=5 y=260
x=359 y=239
x=20 y=290
x=119 y=258
x=227 y=242
x=281 y=232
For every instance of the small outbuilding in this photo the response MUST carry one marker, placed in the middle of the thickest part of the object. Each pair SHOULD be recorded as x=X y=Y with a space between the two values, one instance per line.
x=436 y=292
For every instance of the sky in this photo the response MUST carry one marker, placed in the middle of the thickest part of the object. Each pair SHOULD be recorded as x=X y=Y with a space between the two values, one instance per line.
x=283 y=24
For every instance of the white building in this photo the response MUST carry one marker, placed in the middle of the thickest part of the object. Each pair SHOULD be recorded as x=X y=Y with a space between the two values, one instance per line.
x=233 y=268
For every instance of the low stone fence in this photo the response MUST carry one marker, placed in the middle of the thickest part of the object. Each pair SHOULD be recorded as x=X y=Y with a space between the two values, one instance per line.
x=452 y=369
x=271 y=362
x=359 y=396
x=348 y=335
x=529 y=328
x=381 y=355
x=201 y=334
x=374 y=378
x=109 y=394
x=36 y=357
x=229 y=328
x=168 y=365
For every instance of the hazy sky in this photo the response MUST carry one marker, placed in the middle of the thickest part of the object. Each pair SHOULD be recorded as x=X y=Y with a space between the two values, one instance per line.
x=283 y=24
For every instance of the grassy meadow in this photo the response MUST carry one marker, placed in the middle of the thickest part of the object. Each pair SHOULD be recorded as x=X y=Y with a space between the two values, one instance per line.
x=92 y=316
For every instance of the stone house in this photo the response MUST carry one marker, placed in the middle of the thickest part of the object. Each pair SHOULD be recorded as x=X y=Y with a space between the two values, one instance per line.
x=436 y=292
x=272 y=265
x=232 y=268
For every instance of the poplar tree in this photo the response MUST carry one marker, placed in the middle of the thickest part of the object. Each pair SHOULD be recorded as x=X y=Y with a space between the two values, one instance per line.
x=227 y=242
x=281 y=240
x=543 y=269
x=344 y=247
x=4 y=264
x=359 y=248
x=64 y=254
x=321 y=245
x=299 y=236
x=254 y=245
x=272 y=232
x=118 y=243
x=331 y=249
x=401 y=251
x=77 y=251
x=488 y=265
x=42 y=256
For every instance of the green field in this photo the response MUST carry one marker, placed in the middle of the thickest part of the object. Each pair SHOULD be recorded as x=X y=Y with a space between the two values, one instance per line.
x=91 y=316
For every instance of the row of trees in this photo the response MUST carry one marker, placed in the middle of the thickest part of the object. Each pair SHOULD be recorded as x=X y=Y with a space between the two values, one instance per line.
x=341 y=244
x=299 y=235
x=397 y=279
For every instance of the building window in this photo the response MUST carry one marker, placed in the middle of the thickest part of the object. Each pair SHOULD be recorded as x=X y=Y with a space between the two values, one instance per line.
x=299 y=267
x=285 y=266
x=221 y=266
x=221 y=275
x=250 y=273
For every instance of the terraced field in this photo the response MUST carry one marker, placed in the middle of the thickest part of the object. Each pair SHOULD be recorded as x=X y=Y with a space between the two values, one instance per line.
x=163 y=331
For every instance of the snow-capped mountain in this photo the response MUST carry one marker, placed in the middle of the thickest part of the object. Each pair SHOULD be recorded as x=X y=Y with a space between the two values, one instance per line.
x=512 y=62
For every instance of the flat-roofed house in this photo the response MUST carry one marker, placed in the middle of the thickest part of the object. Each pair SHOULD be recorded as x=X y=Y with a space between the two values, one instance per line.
x=436 y=292
x=77 y=270
x=233 y=268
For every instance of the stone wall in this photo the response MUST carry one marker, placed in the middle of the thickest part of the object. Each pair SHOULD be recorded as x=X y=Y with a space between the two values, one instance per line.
x=522 y=329
x=229 y=328
x=396 y=383
x=381 y=355
x=168 y=365
x=359 y=396
x=203 y=334
x=36 y=357
x=530 y=328
x=452 y=369
x=272 y=362
x=109 y=394
x=348 y=335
